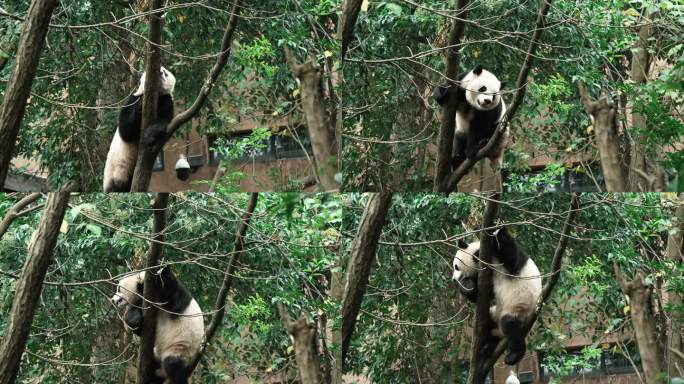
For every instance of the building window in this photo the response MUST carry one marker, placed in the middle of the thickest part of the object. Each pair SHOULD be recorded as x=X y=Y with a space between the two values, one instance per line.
x=280 y=145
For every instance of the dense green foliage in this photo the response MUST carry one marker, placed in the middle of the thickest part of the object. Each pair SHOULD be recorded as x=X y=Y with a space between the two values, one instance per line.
x=290 y=248
x=94 y=49
x=399 y=56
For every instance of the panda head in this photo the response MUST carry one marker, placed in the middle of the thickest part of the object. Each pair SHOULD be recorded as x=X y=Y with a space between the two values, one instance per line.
x=465 y=262
x=166 y=85
x=129 y=289
x=482 y=89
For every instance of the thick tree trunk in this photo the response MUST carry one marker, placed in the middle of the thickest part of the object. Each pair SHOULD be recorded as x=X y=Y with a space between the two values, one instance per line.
x=483 y=321
x=361 y=256
x=675 y=330
x=220 y=306
x=146 y=363
x=305 y=340
x=603 y=118
x=639 y=167
x=336 y=293
x=23 y=72
x=345 y=27
x=317 y=121
x=644 y=324
x=143 y=170
x=448 y=117
x=29 y=286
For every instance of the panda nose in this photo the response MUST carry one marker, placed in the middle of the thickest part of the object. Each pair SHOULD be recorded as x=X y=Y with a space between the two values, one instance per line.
x=487 y=101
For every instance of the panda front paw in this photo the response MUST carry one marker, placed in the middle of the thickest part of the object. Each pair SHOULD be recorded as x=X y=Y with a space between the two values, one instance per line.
x=441 y=94
x=154 y=134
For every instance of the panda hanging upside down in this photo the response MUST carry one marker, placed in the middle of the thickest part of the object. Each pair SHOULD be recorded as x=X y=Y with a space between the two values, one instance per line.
x=180 y=326
x=516 y=284
x=479 y=110
x=123 y=152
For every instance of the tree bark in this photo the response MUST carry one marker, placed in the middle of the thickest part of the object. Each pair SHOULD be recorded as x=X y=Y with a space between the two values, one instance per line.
x=317 y=121
x=304 y=339
x=15 y=211
x=644 y=323
x=675 y=330
x=336 y=294
x=19 y=85
x=448 y=118
x=603 y=118
x=345 y=28
x=29 y=286
x=361 y=255
x=483 y=321
x=146 y=362
x=220 y=306
x=639 y=164
x=143 y=169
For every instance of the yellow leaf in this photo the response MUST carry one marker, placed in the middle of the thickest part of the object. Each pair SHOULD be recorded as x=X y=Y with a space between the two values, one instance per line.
x=327 y=54
x=364 y=6
x=290 y=349
x=295 y=93
x=626 y=309
x=181 y=18
x=64 y=227
x=475 y=53
x=590 y=129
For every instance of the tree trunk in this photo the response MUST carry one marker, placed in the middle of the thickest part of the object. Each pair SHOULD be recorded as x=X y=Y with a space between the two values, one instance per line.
x=23 y=72
x=304 y=340
x=485 y=295
x=317 y=121
x=448 y=117
x=639 y=165
x=644 y=324
x=146 y=363
x=603 y=118
x=29 y=286
x=361 y=256
x=336 y=293
x=675 y=330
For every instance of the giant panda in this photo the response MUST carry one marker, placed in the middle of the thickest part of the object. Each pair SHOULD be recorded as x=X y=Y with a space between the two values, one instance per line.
x=123 y=151
x=180 y=326
x=480 y=107
x=516 y=284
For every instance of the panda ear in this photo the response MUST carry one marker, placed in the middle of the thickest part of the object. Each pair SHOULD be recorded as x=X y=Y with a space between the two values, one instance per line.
x=503 y=85
x=478 y=69
x=462 y=244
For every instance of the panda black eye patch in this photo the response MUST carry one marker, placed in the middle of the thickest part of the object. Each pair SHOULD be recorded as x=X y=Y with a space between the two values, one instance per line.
x=482 y=89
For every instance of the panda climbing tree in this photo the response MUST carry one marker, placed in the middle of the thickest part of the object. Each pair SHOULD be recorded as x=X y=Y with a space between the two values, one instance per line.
x=123 y=151
x=479 y=109
x=516 y=284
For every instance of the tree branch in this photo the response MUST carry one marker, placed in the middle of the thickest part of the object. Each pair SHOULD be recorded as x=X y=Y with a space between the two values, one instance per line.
x=521 y=85
x=30 y=285
x=603 y=119
x=146 y=362
x=220 y=306
x=316 y=120
x=19 y=86
x=361 y=255
x=304 y=340
x=347 y=21
x=15 y=211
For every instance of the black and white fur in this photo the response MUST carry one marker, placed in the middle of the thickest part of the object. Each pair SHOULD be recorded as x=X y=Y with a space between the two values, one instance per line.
x=180 y=326
x=123 y=151
x=516 y=283
x=479 y=110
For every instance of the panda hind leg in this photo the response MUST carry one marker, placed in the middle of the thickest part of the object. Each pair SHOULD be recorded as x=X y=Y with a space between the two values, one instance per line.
x=176 y=370
x=118 y=186
x=513 y=328
x=154 y=134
